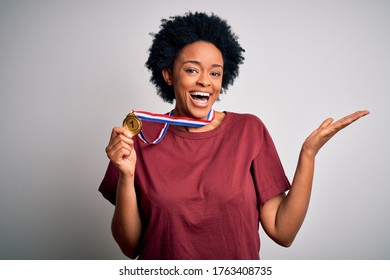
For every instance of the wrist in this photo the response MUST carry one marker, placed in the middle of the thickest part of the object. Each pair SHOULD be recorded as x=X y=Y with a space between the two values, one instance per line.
x=308 y=152
x=126 y=178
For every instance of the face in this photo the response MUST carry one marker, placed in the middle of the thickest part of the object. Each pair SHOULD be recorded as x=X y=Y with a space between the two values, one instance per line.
x=196 y=78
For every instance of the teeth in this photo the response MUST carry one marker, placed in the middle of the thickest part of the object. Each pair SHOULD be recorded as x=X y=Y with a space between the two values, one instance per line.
x=199 y=93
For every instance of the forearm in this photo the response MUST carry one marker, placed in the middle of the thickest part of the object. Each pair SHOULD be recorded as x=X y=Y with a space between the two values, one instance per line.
x=282 y=216
x=293 y=208
x=126 y=223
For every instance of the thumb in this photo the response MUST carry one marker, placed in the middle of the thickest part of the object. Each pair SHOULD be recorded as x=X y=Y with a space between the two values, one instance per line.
x=326 y=122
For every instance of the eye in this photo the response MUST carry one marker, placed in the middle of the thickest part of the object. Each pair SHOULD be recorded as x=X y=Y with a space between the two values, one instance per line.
x=216 y=74
x=191 y=70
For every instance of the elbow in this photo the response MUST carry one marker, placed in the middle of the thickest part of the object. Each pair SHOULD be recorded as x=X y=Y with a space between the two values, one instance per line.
x=285 y=241
x=285 y=244
x=128 y=248
x=131 y=254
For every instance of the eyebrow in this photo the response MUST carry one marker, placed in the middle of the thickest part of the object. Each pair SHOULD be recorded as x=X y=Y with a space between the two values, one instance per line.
x=198 y=63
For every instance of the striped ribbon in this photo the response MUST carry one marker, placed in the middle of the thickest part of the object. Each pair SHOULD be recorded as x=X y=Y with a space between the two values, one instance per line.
x=168 y=119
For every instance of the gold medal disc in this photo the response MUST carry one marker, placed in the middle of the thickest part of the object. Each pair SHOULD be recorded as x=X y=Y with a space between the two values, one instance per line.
x=132 y=123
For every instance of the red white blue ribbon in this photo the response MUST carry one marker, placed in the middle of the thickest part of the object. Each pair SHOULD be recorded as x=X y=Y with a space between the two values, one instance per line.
x=170 y=119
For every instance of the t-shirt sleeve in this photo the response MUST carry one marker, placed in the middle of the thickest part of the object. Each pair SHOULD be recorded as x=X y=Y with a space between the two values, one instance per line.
x=267 y=170
x=109 y=183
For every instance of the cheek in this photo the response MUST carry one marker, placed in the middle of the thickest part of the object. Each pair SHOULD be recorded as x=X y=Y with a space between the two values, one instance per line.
x=218 y=86
x=180 y=88
x=182 y=85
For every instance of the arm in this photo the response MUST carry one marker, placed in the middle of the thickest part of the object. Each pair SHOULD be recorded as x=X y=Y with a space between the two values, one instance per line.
x=283 y=215
x=126 y=224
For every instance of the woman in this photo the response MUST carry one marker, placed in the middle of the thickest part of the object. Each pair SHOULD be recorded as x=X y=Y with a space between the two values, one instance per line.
x=201 y=192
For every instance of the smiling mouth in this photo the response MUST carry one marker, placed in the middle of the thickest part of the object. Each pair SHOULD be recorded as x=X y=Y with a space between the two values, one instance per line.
x=201 y=97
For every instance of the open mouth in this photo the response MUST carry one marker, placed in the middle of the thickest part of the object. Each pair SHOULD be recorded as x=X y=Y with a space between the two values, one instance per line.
x=201 y=97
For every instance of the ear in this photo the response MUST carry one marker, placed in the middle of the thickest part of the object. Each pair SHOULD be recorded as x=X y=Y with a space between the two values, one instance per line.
x=167 y=74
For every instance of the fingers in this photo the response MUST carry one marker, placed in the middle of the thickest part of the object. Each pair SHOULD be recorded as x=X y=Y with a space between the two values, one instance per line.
x=120 y=130
x=347 y=120
x=120 y=145
x=355 y=116
x=328 y=128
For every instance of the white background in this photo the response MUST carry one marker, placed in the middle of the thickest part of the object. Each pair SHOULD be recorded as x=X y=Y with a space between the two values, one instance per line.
x=71 y=70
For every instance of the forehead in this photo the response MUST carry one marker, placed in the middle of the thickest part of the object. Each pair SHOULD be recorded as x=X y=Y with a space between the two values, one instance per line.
x=202 y=52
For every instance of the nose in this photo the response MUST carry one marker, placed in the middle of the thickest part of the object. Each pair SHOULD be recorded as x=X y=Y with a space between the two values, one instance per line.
x=203 y=80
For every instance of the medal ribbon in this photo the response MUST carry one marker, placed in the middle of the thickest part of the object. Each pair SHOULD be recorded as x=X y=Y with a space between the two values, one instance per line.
x=170 y=119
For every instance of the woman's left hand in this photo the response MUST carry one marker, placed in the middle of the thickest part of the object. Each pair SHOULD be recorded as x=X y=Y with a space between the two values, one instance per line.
x=327 y=130
x=283 y=215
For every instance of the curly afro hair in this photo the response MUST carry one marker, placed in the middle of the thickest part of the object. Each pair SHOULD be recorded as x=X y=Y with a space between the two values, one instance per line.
x=179 y=31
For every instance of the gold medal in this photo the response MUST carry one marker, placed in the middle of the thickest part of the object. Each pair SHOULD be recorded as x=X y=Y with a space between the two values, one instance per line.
x=132 y=123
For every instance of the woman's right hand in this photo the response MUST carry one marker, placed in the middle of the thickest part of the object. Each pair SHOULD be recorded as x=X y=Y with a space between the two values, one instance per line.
x=126 y=223
x=120 y=151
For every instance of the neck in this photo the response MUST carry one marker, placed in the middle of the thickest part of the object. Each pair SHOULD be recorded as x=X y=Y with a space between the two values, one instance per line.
x=219 y=116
